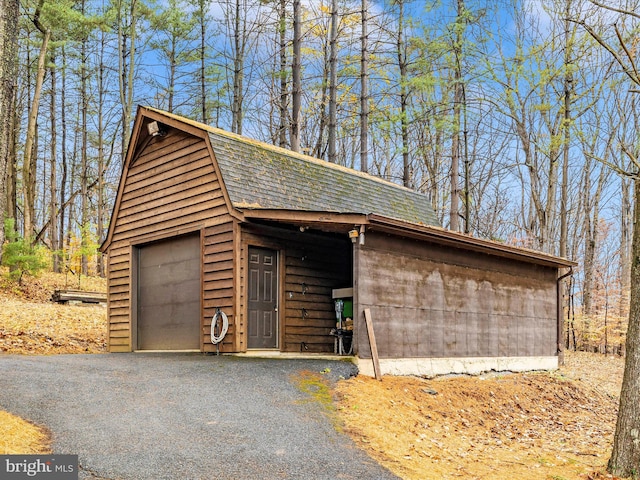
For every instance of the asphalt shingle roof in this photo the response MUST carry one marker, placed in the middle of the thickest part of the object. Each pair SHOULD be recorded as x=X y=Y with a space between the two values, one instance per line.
x=258 y=175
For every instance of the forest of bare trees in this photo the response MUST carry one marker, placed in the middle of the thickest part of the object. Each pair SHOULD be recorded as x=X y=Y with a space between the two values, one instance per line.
x=517 y=118
x=509 y=115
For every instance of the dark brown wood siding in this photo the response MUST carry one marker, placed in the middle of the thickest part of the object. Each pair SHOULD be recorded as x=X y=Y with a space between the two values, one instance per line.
x=170 y=188
x=218 y=282
x=312 y=265
x=432 y=301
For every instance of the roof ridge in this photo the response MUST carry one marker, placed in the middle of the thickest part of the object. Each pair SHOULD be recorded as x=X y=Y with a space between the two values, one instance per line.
x=281 y=150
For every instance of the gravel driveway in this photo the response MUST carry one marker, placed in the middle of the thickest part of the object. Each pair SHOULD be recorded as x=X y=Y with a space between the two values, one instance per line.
x=183 y=416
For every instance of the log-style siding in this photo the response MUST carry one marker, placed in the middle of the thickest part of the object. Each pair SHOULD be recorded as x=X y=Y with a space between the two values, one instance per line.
x=313 y=265
x=170 y=188
x=218 y=282
x=429 y=301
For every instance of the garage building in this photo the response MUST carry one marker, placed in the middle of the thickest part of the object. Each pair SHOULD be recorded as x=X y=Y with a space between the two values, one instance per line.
x=207 y=221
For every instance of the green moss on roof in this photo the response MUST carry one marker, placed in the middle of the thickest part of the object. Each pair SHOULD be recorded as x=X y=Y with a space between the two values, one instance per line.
x=259 y=175
x=256 y=174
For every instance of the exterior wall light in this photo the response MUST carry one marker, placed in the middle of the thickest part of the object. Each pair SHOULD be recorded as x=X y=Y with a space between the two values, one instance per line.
x=154 y=130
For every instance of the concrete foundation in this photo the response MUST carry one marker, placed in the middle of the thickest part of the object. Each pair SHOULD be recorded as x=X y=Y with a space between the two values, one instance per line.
x=431 y=367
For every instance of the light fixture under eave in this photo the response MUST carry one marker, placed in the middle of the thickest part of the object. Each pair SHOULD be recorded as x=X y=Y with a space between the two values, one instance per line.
x=154 y=129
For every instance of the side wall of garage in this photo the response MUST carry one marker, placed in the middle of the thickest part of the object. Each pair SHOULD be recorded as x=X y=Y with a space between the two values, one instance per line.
x=430 y=301
x=170 y=189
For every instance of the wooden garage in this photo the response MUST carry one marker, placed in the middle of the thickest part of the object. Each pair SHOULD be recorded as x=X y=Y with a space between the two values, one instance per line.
x=206 y=221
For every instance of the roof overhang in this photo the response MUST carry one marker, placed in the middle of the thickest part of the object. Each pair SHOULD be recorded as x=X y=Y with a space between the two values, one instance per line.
x=334 y=222
x=343 y=222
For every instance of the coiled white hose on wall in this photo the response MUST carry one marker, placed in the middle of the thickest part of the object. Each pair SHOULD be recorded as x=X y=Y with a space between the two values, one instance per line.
x=218 y=337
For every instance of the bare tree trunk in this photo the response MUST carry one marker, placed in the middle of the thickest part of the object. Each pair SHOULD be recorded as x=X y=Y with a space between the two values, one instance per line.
x=626 y=228
x=284 y=95
x=454 y=211
x=84 y=200
x=591 y=215
x=568 y=91
x=12 y=171
x=101 y=163
x=467 y=165
x=9 y=12
x=404 y=96
x=126 y=65
x=625 y=458
x=296 y=87
x=320 y=147
x=333 y=82
x=29 y=161
x=203 y=56
x=238 y=69
x=590 y=234
x=364 y=91
x=53 y=175
x=64 y=173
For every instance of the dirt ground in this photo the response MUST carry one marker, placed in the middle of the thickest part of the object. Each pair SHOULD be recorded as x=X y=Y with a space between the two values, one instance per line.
x=556 y=425
x=31 y=324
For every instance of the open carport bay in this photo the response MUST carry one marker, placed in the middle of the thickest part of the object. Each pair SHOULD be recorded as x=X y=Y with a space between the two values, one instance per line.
x=184 y=416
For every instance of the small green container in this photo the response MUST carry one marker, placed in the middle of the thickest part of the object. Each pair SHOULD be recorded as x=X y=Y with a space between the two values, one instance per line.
x=347 y=309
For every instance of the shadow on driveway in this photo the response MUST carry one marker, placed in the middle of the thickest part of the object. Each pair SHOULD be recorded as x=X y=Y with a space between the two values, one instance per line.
x=183 y=416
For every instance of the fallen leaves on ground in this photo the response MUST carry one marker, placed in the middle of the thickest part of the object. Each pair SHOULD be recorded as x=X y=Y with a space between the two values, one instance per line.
x=31 y=324
x=20 y=437
x=551 y=425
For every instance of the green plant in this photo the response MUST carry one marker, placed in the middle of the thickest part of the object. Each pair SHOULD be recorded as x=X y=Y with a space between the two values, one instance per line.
x=20 y=255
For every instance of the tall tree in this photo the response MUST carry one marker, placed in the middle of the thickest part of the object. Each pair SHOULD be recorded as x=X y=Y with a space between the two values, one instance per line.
x=282 y=74
x=128 y=14
x=172 y=40
x=625 y=457
x=403 y=66
x=9 y=12
x=239 y=51
x=201 y=17
x=333 y=82
x=53 y=183
x=458 y=89
x=296 y=72
x=364 y=88
x=29 y=160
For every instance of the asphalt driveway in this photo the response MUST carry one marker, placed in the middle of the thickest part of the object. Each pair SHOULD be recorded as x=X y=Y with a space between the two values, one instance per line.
x=183 y=416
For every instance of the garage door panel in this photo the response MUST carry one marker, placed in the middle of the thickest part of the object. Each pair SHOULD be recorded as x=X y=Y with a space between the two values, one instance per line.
x=169 y=294
x=167 y=333
x=159 y=274
x=169 y=287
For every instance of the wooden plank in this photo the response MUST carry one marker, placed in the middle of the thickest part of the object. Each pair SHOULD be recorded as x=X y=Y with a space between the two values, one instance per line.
x=64 y=296
x=119 y=348
x=154 y=160
x=181 y=173
x=185 y=202
x=225 y=265
x=175 y=169
x=372 y=344
x=169 y=225
x=160 y=197
x=223 y=237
